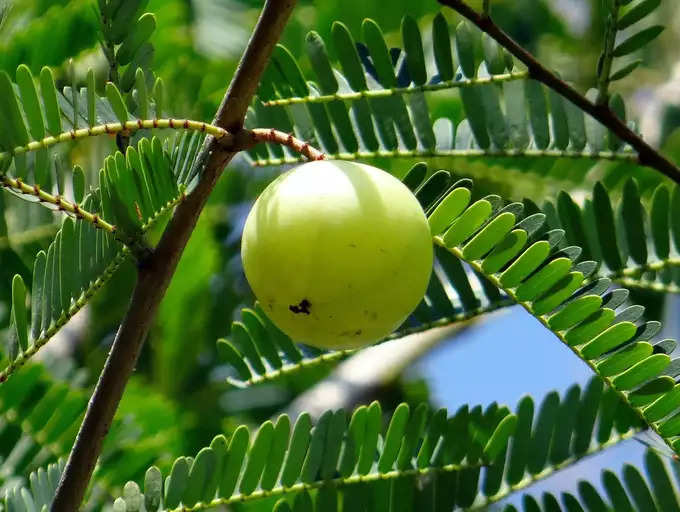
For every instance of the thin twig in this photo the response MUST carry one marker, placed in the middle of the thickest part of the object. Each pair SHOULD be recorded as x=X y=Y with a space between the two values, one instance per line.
x=61 y=204
x=157 y=270
x=137 y=245
x=287 y=139
x=117 y=128
x=232 y=142
x=620 y=156
x=647 y=155
x=398 y=91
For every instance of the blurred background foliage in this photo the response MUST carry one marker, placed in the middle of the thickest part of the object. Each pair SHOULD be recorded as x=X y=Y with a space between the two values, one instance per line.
x=178 y=399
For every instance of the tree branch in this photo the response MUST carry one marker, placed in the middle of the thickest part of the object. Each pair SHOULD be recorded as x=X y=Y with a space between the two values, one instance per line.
x=156 y=271
x=647 y=155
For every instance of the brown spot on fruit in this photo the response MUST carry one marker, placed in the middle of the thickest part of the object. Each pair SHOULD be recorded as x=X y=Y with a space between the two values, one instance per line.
x=302 y=307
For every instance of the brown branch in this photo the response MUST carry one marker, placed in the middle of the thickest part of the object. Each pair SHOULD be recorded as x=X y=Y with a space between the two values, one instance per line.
x=258 y=135
x=156 y=271
x=647 y=155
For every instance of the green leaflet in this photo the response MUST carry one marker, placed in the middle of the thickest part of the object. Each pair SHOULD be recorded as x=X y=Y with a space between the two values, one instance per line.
x=153 y=484
x=468 y=223
x=498 y=441
x=238 y=446
x=525 y=264
x=538 y=113
x=413 y=45
x=664 y=405
x=395 y=432
x=347 y=54
x=415 y=428
x=49 y=93
x=91 y=99
x=259 y=452
x=637 y=41
x=19 y=316
x=117 y=103
x=494 y=55
x=11 y=114
x=380 y=54
x=441 y=41
x=142 y=94
x=659 y=220
x=139 y=34
x=297 y=450
x=633 y=219
x=277 y=452
x=316 y=49
x=560 y=124
x=624 y=71
x=204 y=465
x=604 y=218
x=159 y=96
x=473 y=103
x=329 y=85
x=30 y=102
x=176 y=482
x=636 y=13
x=641 y=371
x=448 y=210
x=465 y=49
x=543 y=280
x=489 y=237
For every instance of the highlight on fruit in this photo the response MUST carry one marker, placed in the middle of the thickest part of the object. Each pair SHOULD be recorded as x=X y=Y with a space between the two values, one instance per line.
x=338 y=253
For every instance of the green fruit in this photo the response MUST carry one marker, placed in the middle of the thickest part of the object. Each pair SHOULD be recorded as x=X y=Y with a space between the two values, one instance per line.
x=337 y=253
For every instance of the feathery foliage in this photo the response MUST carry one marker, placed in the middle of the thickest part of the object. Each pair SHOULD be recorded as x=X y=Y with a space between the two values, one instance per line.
x=463 y=460
x=374 y=104
x=283 y=459
x=415 y=89
x=136 y=190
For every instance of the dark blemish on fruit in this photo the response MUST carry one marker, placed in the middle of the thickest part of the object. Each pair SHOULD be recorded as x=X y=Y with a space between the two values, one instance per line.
x=353 y=245
x=303 y=307
x=351 y=333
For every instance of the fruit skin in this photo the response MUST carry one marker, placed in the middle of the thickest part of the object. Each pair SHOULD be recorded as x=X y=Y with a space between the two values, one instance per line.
x=337 y=253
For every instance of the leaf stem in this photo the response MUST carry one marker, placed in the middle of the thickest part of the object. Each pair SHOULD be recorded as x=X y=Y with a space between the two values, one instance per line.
x=117 y=128
x=18 y=186
x=383 y=93
x=337 y=482
x=243 y=139
x=286 y=139
x=462 y=153
x=647 y=155
x=156 y=271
